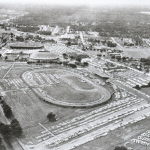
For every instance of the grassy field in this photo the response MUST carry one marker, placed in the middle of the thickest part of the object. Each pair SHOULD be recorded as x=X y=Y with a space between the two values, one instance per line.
x=136 y=52
x=79 y=83
x=146 y=90
x=65 y=93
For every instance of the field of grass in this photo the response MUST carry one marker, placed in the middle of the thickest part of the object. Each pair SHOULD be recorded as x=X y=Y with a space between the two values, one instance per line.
x=136 y=52
x=146 y=90
x=66 y=93
x=81 y=84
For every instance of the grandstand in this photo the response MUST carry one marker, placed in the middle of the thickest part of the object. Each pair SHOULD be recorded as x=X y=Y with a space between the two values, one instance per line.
x=43 y=56
x=28 y=45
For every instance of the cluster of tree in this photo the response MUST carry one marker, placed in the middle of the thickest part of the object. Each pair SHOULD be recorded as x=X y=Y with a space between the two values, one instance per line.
x=20 y=38
x=7 y=109
x=69 y=42
x=11 y=36
x=44 y=32
x=28 y=28
x=6 y=57
x=120 y=148
x=80 y=27
x=51 y=117
x=143 y=86
x=14 y=129
x=84 y=64
x=104 y=42
x=137 y=87
x=0 y=141
x=88 y=47
x=65 y=56
x=74 y=56
x=36 y=38
x=78 y=59
x=5 y=130
x=145 y=61
x=41 y=62
x=69 y=65
x=4 y=38
x=138 y=40
x=100 y=55
x=117 y=23
x=47 y=15
x=124 y=59
x=111 y=44
x=109 y=64
x=116 y=57
x=128 y=44
x=93 y=40
x=148 y=85
x=2 y=147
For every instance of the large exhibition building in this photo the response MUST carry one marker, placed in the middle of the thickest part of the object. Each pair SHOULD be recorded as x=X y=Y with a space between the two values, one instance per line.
x=43 y=56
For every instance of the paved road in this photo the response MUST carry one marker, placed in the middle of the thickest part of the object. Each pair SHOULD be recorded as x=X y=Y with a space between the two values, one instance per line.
x=9 y=70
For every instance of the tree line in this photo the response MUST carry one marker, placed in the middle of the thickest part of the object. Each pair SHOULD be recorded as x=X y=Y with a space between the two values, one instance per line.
x=11 y=130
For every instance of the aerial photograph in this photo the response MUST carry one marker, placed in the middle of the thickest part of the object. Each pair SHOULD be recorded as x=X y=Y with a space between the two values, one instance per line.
x=74 y=75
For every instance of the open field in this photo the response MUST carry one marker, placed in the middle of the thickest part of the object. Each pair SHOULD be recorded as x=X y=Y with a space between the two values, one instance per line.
x=136 y=52
x=146 y=90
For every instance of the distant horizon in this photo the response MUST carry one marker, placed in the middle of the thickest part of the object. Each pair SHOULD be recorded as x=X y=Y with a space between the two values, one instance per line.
x=81 y=2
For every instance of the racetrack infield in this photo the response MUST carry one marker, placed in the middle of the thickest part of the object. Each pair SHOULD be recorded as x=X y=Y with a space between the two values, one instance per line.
x=65 y=88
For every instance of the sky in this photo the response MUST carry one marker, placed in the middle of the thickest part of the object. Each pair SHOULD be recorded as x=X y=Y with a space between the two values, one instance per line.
x=81 y=2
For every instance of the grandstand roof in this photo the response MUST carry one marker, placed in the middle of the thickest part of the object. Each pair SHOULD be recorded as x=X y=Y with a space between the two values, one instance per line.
x=28 y=45
x=44 y=55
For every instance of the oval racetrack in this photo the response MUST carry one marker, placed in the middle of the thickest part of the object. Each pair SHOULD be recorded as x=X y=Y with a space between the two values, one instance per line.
x=65 y=88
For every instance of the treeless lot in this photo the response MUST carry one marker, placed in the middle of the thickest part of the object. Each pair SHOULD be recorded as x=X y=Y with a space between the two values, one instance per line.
x=136 y=52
